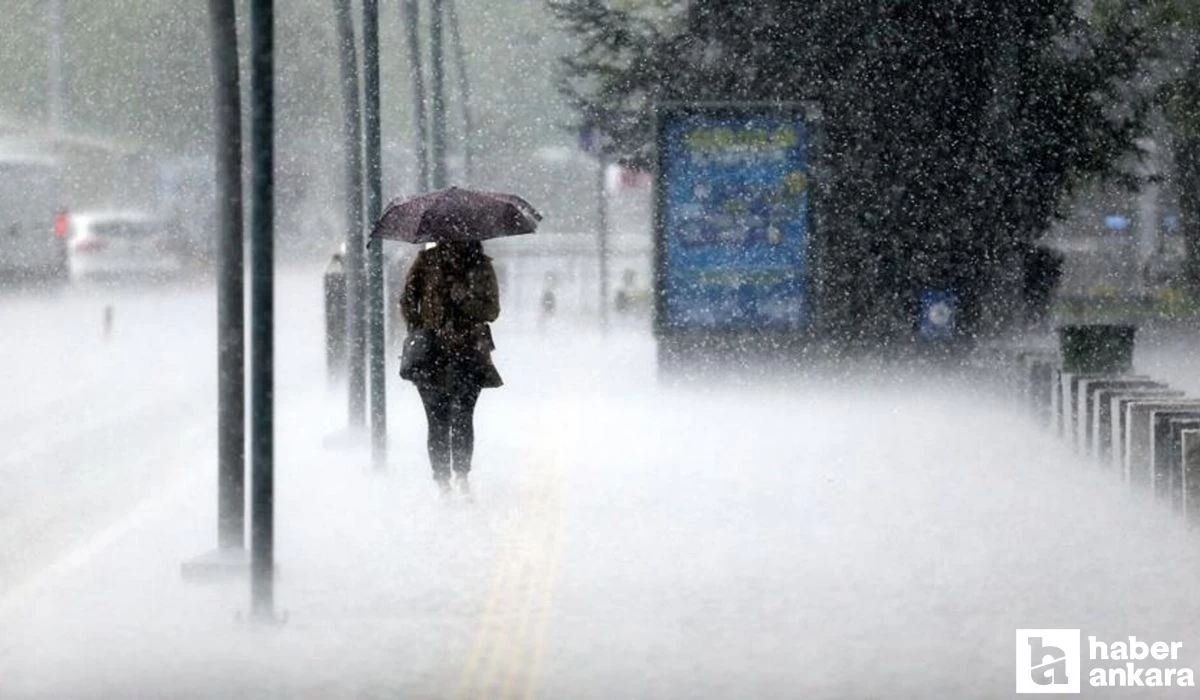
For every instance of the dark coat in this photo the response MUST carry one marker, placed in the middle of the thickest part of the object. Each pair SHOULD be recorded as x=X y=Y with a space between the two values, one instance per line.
x=456 y=298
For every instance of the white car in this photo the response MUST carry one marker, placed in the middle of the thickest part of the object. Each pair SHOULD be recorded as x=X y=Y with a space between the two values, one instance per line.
x=113 y=244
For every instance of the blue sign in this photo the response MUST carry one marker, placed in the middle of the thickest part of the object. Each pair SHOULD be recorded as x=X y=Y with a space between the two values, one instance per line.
x=938 y=312
x=734 y=238
x=1116 y=222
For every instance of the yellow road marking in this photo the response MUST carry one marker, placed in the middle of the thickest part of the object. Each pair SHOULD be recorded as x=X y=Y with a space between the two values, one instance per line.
x=547 y=601
x=510 y=641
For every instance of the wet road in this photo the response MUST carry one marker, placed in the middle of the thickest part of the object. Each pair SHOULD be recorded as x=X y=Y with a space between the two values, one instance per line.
x=820 y=538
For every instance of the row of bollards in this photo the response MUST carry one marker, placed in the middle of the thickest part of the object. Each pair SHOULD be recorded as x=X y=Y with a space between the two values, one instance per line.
x=1143 y=431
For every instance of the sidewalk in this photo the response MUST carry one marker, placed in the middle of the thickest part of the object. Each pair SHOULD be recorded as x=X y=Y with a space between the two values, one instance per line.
x=819 y=541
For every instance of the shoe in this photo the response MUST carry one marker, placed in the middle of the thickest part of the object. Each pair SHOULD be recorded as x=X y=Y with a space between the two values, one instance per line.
x=444 y=490
x=462 y=486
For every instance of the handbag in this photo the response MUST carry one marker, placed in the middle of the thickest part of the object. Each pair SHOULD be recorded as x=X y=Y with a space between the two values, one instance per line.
x=485 y=373
x=419 y=354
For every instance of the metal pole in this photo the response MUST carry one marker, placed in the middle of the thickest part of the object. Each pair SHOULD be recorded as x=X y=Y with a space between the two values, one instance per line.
x=602 y=237
x=412 y=20
x=262 y=310
x=437 y=88
x=54 y=77
x=231 y=338
x=464 y=89
x=355 y=272
x=372 y=147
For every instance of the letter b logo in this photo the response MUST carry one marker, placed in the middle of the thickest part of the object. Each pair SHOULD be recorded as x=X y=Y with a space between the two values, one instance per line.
x=1047 y=661
x=1048 y=665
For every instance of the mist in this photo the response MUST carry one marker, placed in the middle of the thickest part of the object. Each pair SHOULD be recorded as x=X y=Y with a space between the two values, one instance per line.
x=687 y=487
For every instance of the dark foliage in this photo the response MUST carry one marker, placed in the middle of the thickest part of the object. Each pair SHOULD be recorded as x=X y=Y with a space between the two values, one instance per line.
x=952 y=130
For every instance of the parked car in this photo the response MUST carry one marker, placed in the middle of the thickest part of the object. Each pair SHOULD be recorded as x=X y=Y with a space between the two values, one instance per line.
x=32 y=227
x=135 y=244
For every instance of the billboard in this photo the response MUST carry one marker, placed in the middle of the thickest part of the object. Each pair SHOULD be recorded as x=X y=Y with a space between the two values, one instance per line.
x=732 y=219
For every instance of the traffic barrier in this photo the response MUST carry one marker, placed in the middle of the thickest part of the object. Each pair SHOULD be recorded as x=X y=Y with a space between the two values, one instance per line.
x=1086 y=392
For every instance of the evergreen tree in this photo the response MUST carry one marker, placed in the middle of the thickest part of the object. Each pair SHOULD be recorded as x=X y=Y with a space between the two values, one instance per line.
x=1177 y=25
x=952 y=130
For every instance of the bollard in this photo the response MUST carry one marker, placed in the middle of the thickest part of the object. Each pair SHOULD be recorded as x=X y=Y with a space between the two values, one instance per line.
x=1074 y=405
x=1081 y=394
x=1096 y=393
x=1112 y=422
x=1164 y=452
x=1189 y=447
x=335 y=319
x=1139 y=424
x=1177 y=461
x=1149 y=428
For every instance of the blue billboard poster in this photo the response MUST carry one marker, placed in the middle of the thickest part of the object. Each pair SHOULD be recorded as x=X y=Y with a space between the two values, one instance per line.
x=733 y=219
x=938 y=312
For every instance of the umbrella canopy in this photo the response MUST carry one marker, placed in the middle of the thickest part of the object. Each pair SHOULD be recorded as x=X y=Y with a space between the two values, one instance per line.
x=455 y=214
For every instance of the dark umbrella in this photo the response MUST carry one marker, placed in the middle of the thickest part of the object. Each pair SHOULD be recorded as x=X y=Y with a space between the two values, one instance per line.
x=455 y=214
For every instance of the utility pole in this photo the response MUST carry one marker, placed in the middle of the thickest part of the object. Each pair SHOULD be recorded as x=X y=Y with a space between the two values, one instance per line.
x=372 y=147
x=355 y=267
x=412 y=19
x=54 y=77
x=262 y=310
x=437 y=87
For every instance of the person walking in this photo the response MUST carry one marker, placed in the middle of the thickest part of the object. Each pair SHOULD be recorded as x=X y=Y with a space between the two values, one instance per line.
x=451 y=291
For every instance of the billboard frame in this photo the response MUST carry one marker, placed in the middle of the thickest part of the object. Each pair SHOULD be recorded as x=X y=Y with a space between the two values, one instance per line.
x=673 y=338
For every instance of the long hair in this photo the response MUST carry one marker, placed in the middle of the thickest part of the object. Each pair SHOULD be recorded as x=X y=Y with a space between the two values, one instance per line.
x=466 y=253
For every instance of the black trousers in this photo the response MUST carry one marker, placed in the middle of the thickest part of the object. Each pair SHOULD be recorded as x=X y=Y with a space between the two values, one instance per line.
x=450 y=411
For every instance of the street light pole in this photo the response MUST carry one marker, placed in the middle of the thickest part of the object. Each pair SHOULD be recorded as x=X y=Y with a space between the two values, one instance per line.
x=464 y=90
x=54 y=77
x=355 y=282
x=412 y=20
x=262 y=309
x=230 y=556
x=372 y=148
x=231 y=340
x=437 y=87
